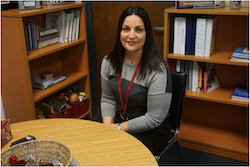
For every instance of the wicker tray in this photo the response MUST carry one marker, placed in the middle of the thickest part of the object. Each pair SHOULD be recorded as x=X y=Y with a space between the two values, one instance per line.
x=40 y=149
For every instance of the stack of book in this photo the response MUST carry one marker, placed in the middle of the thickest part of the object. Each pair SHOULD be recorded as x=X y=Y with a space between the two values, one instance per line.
x=240 y=93
x=241 y=54
x=198 y=4
x=48 y=37
x=41 y=82
x=206 y=4
x=193 y=35
x=37 y=37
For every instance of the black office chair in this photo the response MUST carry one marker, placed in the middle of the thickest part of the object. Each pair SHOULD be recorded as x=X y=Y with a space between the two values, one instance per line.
x=175 y=112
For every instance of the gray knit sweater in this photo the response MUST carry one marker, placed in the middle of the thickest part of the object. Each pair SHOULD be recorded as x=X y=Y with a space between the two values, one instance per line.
x=148 y=102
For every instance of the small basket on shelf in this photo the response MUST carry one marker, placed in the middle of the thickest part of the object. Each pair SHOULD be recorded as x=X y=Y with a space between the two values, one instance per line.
x=42 y=151
x=79 y=108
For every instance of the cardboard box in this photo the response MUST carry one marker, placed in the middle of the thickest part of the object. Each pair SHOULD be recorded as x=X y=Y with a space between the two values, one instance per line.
x=5 y=132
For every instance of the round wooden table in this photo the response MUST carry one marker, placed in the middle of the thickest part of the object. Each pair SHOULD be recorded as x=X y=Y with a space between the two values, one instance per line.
x=91 y=143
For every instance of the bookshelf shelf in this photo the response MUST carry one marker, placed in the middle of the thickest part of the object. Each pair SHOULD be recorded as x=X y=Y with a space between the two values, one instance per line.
x=212 y=122
x=221 y=11
x=34 y=54
x=72 y=77
x=219 y=95
x=43 y=10
x=70 y=59
x=218 y=57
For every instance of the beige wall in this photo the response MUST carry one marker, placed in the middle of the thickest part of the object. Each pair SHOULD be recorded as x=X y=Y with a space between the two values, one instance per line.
x=106 y=16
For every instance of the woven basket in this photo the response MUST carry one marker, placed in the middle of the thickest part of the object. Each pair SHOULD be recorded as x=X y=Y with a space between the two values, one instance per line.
x=40 y=149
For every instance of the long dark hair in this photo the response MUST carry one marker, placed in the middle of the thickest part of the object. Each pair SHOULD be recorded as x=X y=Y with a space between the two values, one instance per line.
x=151 y=57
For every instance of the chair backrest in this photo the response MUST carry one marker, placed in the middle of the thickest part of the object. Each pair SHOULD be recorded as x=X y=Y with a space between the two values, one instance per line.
x=178 y=97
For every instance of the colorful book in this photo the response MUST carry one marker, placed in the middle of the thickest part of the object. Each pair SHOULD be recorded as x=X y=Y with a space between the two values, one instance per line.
x=73 y=37
x=190 y=75
x=67 y=25
x=71 y=17
x=199 y=77
x=184 y=4
x=205 y=4
x=41 y=83
x=176 y=34
x=211 y=79
x=43 y=31
x=171 y=35
x=239 y=59
x=195 y=76
x=47 y=37
x=242 y=51
x=49 y=42
x=26 y=37
x=77 y=14
x=190 y=35
x=61 y=26
x=240 y=93
x=32 y=28
x=51 y=20
x=179 y=35
x=29 y=35
x=38 y=35
x=183 y=35
x=35 y=34
x=241 y=54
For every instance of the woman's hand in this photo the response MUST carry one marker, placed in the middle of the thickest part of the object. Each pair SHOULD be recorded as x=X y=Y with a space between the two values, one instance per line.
x=109 y=120
x=113 y=125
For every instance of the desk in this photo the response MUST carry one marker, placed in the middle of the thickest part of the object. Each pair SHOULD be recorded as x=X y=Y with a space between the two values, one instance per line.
x=91 y=143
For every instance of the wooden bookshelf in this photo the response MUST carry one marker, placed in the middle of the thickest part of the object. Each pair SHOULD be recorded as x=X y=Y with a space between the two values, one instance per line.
x=218 y=57
x=220 y=95
x=220 y=143
x=34 y=54
x=217 y=11
x=70 y=59
x=72 y=77
x=43 y=10
x=212 y=122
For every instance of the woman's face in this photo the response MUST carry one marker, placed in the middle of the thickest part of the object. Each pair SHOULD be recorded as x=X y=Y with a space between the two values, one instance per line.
x=133 y=34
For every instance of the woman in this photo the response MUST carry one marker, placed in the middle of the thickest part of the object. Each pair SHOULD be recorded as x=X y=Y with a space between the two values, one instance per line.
x=136 y=83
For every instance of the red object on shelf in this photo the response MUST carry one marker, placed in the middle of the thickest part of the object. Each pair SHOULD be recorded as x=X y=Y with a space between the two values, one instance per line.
x=62 y=114
x=79 y=108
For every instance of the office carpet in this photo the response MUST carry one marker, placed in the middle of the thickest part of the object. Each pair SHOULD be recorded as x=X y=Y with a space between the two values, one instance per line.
x=190 y=157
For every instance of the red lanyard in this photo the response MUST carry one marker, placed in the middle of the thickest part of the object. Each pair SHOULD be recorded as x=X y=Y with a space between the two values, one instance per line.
x=124 y=107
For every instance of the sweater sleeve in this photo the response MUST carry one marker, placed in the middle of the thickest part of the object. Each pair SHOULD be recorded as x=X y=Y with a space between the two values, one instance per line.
x=108 y=102
x=158 y=104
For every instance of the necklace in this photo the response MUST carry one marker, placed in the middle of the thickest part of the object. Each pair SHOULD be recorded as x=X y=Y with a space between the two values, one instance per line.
x=132 y=62
x=124 y=106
